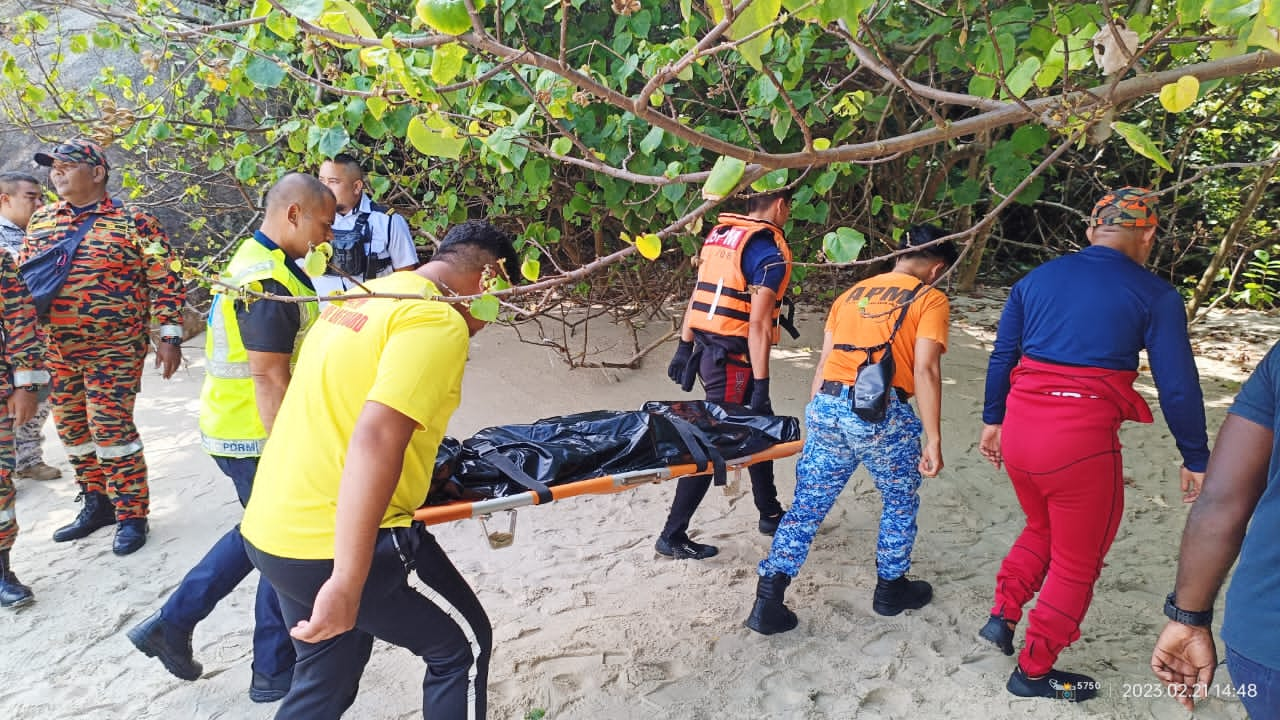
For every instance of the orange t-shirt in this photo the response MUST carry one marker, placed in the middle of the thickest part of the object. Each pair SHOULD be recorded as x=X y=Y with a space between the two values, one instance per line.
x=864 y=316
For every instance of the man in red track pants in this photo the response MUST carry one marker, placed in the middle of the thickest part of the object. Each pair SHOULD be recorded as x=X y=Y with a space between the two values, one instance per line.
x=1059 y=384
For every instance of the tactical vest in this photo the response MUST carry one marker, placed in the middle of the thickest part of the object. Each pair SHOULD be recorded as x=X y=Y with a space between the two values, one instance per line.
x=721 y=301
x=353 y=248
x=229 y=422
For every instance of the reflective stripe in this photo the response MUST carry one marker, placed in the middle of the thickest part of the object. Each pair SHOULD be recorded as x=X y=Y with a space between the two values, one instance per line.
x=171 y=331
x=81 y=450
x=111 y=452
x=7 y=516
x=232 y=448
x=30 y=377
x=434 y=597
x=228 y=370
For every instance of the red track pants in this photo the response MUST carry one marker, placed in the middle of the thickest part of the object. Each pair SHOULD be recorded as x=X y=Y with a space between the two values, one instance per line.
x=1063 y=456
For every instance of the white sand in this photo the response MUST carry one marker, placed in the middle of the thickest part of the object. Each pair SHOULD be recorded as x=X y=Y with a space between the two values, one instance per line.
x=589 y=622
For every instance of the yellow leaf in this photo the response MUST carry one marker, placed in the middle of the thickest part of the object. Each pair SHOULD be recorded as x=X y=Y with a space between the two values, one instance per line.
x=176 y=265
x=821 y=143
x=1180 y=95
x=649 y=245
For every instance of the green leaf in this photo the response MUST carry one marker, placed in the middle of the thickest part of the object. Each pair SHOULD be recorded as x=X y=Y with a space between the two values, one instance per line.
x=307 y=10
x=649 y=245
x=821 y=143
x=1189 y=11
x=485 y=308
x=1229 y=13
x=1141 y=144
x=1263 y=32
x=328 y=141
x=1020 y=79
x=756 y=15
x=537 y=174
x=79 y=44
x=376 y=105
x=217 y=162
x=246 y=168
x=264 y=72
x=771 y=181
x=652 y=141
x=1180 y=95
x=446 y=63
x=1028 y=139
x=531 y=269
x=284 y=26
x=843 y=245
x=431 y=134
x=561 y=146
x=724 y=177
x=982 y=86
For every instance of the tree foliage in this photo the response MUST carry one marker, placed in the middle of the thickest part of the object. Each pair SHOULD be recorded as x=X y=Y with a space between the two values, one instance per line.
x=598 y=128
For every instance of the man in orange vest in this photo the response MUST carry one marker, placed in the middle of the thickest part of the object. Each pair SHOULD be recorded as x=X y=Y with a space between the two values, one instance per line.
x=732 y=322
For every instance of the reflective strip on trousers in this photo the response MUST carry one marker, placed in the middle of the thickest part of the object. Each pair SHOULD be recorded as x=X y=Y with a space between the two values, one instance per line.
x=7 y=516
x=111 y=452
x=228 y=370
x=81 y=450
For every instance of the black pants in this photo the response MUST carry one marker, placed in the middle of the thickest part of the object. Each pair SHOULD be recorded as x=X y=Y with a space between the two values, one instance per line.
x=724 y=381
x=446 y=627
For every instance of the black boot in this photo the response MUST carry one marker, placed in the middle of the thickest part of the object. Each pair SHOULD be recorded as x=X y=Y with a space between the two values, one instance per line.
x=894 y=596
x=96 y=513
x=768 y=524
x=769 y=615
x=171 y=644
x=998 y=632
x=13 y=594
x=131 y=534
x=1055 y=685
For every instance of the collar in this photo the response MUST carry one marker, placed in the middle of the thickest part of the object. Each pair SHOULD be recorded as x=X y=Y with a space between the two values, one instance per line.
x=9 y=224
x=271 y=246
x=1108 y=252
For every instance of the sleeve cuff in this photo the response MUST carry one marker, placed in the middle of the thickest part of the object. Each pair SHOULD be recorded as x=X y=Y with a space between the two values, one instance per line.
x=30 y=377
x=171 y=331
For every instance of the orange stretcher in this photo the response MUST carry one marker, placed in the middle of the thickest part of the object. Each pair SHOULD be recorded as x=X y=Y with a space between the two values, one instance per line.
x=603 y=485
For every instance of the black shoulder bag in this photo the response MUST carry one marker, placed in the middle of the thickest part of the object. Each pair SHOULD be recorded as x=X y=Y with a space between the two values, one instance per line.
x=874 y=382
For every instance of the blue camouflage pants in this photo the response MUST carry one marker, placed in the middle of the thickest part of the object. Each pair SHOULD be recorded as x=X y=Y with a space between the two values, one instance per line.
x=836 y=442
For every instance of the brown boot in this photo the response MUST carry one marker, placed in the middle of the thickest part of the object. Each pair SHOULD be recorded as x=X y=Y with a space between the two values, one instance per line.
x=39 y=471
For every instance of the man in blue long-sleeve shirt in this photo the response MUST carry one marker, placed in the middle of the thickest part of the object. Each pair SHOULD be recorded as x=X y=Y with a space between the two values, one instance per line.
x=1059 y=384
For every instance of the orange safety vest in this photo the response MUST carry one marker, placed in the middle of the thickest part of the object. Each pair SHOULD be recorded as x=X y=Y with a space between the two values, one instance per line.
x=721 y=302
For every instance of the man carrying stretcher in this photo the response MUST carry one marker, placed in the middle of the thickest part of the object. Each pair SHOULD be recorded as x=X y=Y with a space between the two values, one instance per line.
x=731 y=323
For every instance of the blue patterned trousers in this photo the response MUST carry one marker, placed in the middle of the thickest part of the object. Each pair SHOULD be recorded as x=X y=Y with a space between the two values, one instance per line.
x=836 y=442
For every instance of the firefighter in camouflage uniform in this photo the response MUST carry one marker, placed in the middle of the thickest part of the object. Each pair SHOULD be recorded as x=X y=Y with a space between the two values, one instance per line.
x=97 y=331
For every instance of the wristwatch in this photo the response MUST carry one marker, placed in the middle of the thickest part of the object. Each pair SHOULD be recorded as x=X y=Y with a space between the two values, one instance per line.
x=1203 y=618
x=172 y=340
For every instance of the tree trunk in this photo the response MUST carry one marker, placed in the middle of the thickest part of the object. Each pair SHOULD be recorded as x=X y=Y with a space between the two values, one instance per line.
x=967 y=276
x=1229 y=240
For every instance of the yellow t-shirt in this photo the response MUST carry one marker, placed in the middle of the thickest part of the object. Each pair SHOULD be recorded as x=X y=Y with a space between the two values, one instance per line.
x=864 y=316
x=405 y=354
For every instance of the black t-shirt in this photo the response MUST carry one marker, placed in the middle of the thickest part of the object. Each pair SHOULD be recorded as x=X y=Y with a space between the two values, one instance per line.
x=269 y=325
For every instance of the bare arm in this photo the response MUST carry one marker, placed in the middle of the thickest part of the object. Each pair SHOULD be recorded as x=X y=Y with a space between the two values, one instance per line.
x=828 y=345
x=928 y=379
x=374 y=461
x=270 y=373
x=760 y=332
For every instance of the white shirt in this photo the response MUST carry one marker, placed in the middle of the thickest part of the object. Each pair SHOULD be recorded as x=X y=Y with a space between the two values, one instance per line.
x=388 y=238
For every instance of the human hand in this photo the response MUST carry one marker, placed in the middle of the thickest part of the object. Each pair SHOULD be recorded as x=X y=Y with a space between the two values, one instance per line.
x=1191 y=484
x=168 y=358
x=1185 y=656
x=759 y=400
x=333 y=612
x=989 y=445
x=21 y=406
x=931 y=458
x=680 y=361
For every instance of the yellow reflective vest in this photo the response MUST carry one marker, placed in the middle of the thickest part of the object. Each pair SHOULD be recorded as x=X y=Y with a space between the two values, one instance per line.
x=229 y=421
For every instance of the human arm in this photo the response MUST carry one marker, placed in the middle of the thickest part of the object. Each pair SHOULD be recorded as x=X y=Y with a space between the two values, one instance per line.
x=1215 y=529
x=23 y=349
x=760 y=330
x=679 y=365
x=1173 y=368
x=928 y=381
x=404 y=256
x=375 y=458
x=271 y=373
x=828 y=346
x=164 y=287
x=1005 y=354
x=268 y=331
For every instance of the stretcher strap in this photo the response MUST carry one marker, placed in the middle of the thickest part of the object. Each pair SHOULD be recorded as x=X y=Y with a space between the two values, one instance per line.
x=700 y=447
x=489 y=453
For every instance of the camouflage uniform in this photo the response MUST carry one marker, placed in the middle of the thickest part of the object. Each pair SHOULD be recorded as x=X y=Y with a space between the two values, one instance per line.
x=97 y=332
x=30 y=437
x=20 y=360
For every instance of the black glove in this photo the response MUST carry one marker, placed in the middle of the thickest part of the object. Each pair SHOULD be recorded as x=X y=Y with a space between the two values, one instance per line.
x=680 y=361
x=759 y=401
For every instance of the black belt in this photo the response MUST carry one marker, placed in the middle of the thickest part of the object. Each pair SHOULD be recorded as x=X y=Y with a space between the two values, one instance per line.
x=833 y=387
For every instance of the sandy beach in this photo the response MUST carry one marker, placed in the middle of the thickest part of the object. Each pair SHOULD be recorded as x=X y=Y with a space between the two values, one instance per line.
x=589 y=622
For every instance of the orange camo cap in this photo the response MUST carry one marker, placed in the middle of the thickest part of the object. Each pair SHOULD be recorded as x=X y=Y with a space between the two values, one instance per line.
x=1127 y=206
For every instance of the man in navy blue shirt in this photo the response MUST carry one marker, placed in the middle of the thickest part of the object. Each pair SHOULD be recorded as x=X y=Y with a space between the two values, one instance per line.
x=1059 y=384
x=731 y=323
x=1242 y=483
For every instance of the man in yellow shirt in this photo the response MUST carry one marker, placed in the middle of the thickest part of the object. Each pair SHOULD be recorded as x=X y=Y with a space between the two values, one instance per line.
x=330 y=522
